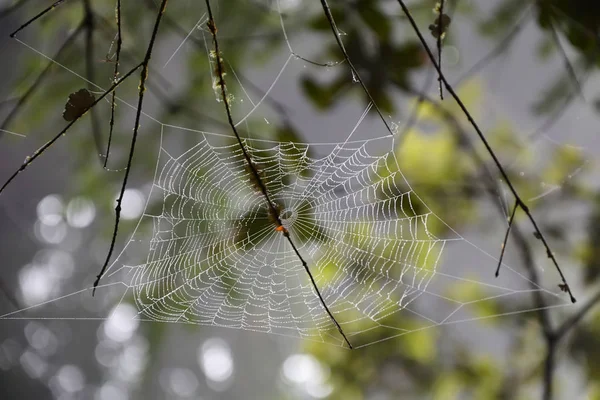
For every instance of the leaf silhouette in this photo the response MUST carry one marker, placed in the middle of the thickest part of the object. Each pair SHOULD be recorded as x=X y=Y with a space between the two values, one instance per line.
x=79 y=102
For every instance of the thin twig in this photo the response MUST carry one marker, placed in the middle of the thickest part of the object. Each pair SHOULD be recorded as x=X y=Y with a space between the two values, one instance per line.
x=38 y=16
x=272 y=208
x=138 y=114
x=518 y=198
x=336 y=34
x=522 y=246
x=30 y=159
x=505 y=241
x=115 y=76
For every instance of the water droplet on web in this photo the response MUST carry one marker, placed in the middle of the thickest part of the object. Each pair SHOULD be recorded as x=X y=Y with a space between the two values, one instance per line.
x=354 y=77
x=267 y=121
x=341 y=33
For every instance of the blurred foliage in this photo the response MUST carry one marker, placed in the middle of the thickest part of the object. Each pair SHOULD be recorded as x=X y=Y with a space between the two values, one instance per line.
x=441 y=167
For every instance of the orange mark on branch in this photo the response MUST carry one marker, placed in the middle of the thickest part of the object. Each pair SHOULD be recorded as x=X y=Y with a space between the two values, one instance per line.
x=281 y=228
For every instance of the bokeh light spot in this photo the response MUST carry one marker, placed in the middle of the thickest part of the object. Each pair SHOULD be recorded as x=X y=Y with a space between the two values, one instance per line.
x=215 y=360
x=121 y=325
x=133 y=204
x=80 y=212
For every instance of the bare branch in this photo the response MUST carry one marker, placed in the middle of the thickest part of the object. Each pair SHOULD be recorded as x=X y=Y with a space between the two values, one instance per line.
x=510 y=223
x=336 y=34
x=272 y=207
x=38 y=16
x=482 y=137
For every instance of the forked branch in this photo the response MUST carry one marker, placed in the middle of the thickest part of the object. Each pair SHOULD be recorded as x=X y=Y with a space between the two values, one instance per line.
x=336 y=34
x=510 y=224
x=273 y=210
x=489 y=149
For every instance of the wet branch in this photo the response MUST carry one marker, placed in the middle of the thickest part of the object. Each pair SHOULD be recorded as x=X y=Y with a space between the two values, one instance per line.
x=272 y=207
x=505 y=241
x=38 y=16
x=336 y=34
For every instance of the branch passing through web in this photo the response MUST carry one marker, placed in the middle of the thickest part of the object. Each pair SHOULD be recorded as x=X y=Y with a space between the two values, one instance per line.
x=272 y=208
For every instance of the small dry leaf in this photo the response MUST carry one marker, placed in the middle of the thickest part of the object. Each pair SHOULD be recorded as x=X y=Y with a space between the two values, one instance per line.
x=79 y=102
x=441 y=24
x=563 y=287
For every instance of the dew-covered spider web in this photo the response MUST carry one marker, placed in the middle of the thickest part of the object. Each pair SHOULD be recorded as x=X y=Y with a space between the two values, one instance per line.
x=212 y=254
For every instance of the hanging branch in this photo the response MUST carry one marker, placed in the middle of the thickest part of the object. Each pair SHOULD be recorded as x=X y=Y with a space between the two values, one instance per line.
x=273 y=210
x=142 y=88
x=115 y=76
x=336 y=34
x=466 y=112
x=505 y=241
x=38 y=16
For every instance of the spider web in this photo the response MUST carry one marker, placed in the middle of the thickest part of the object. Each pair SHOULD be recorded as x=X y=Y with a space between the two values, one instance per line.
x=214 y=256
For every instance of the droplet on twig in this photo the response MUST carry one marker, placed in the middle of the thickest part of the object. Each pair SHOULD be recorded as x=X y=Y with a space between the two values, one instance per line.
x=79 y=102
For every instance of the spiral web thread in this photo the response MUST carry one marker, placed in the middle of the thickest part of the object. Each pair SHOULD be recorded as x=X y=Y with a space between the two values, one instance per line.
x=216 y=258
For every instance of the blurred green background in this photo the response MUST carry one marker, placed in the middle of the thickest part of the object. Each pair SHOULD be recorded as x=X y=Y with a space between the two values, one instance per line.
x=526 y=70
